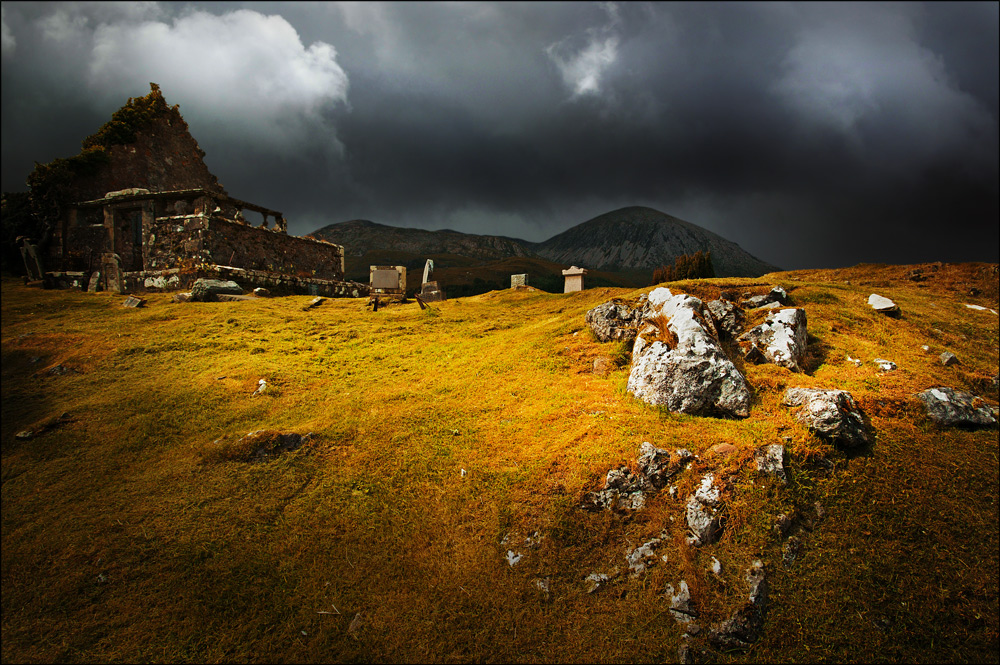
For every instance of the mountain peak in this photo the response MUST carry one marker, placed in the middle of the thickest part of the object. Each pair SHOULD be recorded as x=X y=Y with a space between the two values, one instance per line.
x=627 y=239
x=638 y=237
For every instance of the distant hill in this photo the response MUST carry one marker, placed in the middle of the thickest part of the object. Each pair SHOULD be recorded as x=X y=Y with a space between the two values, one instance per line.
x=623 y=246
x=361 y=236
x=637 y=238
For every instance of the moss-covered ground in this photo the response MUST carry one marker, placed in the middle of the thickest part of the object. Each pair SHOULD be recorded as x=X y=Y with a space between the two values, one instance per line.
x=136 y=531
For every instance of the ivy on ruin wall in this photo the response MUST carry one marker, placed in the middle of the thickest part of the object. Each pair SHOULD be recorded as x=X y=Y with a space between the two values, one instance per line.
x=127 y=151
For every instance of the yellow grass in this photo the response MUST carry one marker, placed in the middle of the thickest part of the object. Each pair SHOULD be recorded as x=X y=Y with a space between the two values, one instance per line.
x=130 y=534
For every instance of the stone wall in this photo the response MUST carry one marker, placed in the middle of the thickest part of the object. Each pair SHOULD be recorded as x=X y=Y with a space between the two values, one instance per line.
x=175 y=279
x=164 y=157
x=190 y=240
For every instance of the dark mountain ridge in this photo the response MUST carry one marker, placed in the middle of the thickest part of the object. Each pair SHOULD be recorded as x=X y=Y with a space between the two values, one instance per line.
x=628 y=239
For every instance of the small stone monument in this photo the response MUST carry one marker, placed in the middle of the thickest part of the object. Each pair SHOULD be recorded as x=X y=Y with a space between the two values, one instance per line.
x=574 y=279
x=111 y=267
x=430 y=291
x=32 y=262
x=519 y=281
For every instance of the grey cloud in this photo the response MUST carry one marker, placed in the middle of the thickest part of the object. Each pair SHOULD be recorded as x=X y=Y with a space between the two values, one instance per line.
x=801 y=131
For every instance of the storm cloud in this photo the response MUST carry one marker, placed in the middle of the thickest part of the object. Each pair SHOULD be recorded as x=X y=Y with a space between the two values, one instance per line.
x=811 y=134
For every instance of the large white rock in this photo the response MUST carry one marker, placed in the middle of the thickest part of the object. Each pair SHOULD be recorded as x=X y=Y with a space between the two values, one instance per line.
x=781 y=340
x=678 y=363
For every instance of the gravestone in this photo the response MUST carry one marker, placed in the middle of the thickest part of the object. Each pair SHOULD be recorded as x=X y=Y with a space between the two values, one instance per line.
x=111 y=266
x=32 y=263
x=574 y=279
x=518 y=281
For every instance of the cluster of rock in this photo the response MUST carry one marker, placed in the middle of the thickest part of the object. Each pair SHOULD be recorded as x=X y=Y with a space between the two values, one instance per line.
x=743 y=628
x=678 y=362
x=625 y=490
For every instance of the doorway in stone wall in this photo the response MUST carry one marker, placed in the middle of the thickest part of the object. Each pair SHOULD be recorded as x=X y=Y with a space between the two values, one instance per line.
x=128 y=238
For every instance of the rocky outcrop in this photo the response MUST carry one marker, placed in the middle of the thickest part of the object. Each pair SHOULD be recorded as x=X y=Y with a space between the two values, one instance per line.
x=781 y=340
x=775 y=295
x=623 y=491
x=702 y=513
x=947 y=406
x=642 y=557
x=771 y=461
x=680 y=603
x=729 y=317
x=745 y=625
x=831 y=414
x=948 y=359
x=885 y=365
x=659 y=466
x=614 y=320
x=678 y=363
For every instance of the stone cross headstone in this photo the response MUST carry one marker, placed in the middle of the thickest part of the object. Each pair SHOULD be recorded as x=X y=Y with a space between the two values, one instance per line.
x=428 y=269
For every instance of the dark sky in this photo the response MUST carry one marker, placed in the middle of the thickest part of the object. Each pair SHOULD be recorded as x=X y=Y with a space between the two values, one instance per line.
x=812 y=134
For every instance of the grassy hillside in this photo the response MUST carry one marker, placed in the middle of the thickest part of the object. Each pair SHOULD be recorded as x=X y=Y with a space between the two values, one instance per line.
x=137 y=529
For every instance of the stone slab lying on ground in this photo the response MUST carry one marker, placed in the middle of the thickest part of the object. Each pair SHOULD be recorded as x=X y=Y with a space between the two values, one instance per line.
x=781 y=340
x=948 y=359
x=883 y=305
x=980 y=308
x=132 y=301
x=831 y=414
x=947 y=406
x=206 y=290
x=678 y=363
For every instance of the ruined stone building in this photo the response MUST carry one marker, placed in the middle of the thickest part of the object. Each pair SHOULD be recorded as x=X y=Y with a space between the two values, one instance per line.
x=140 y=207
